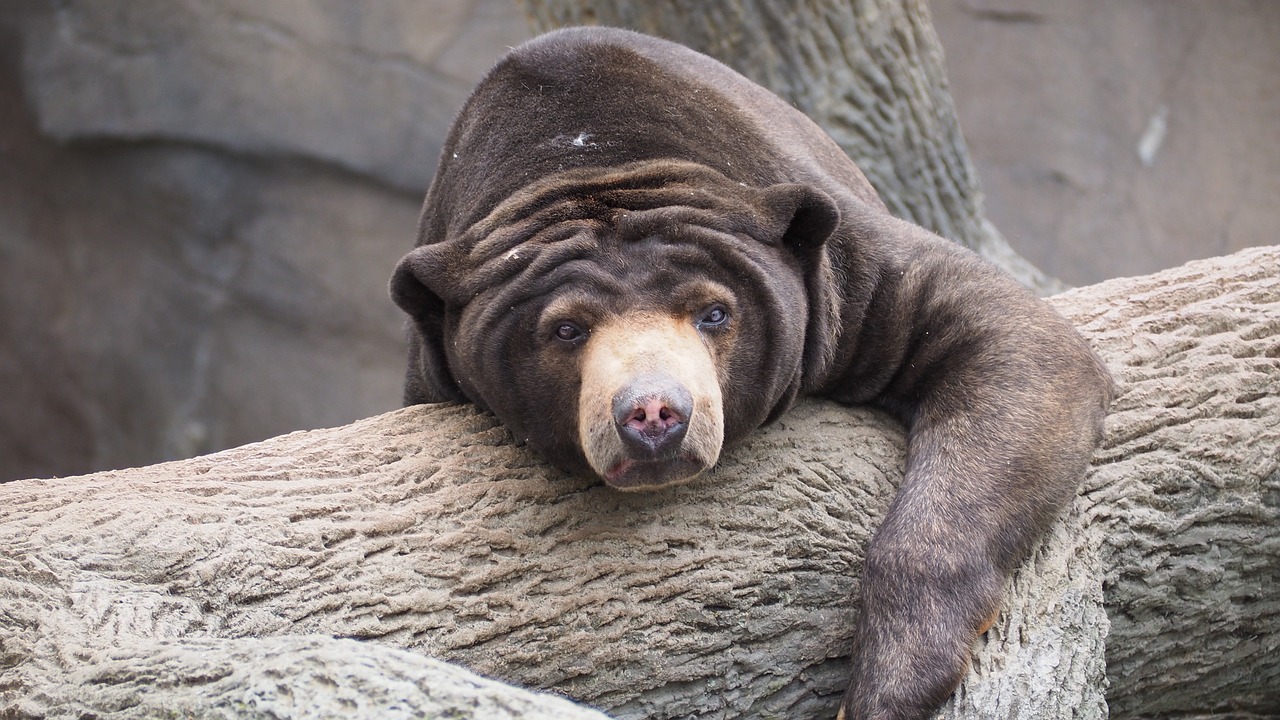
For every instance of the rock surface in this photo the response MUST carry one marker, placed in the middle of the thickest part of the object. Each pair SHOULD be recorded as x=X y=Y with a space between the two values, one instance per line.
x=200 y=206
x=1120 y=138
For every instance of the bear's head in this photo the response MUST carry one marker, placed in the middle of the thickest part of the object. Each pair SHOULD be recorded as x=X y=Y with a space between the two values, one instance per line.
x=626 y=322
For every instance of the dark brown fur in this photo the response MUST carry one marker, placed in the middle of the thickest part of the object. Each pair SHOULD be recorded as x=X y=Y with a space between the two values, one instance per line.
x=597 y=175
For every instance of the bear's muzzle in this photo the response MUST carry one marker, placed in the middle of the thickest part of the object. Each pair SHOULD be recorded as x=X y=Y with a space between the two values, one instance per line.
x=650 y=408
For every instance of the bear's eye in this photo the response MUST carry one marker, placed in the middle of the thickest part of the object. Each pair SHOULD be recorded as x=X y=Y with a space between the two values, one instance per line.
x=713 y=317
x=569 y=332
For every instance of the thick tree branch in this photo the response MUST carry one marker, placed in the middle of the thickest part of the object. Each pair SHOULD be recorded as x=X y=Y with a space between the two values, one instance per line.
x=1184 y=499
x=184 y=586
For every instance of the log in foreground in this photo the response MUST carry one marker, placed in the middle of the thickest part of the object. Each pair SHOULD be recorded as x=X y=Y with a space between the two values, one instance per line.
x=310 y=575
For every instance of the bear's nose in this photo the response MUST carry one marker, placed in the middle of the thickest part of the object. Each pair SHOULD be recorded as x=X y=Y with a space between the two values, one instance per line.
x=652 y=416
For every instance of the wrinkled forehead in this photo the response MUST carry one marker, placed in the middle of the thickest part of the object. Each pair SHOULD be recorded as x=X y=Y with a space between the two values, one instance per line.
x=637 y=223
x=678 y=262
x=646 y=277
x=617 y=264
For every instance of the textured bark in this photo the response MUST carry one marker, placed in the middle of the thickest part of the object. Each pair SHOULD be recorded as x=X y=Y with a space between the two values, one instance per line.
x=215 y=587
x=1183 y=503
x=871 y=73
x=285 y=677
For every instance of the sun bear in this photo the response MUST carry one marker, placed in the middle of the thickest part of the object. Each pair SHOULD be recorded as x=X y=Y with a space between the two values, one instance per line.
x=634 y=256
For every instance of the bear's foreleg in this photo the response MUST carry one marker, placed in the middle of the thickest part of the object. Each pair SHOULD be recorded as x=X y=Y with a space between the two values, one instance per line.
x=932 y=583
x=1004 y=405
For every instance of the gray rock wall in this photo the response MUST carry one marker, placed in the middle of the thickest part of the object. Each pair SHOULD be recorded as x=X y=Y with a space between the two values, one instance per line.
x=200 y=202
x=200 y=205
x=369 y=89
x=1120 y=138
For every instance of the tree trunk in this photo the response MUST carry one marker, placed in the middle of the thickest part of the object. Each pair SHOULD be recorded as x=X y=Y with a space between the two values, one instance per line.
x=870 y=72
x=215 y=587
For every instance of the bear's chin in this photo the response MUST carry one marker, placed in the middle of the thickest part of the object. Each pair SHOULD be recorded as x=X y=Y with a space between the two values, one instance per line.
x=630 y=475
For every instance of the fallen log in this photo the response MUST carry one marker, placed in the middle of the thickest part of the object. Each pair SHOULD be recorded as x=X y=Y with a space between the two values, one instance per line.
x=316 y=574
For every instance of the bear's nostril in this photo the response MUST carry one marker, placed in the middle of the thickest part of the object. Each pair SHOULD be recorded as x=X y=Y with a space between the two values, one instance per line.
x=652 y=417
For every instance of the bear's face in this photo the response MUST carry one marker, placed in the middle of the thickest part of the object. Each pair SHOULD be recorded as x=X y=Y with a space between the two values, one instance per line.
x=626 y=333
x=651 y=381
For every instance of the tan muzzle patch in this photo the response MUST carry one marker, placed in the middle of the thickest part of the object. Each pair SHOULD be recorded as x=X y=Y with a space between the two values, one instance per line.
x=650 y=412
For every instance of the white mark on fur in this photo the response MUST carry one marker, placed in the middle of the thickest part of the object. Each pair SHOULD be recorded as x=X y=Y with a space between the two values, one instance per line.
x=513 y=255
x=581 y=140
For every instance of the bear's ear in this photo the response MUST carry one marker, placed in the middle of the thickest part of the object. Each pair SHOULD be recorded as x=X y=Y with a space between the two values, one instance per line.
x=419 y=280
x=804 y=216
x=414 y=280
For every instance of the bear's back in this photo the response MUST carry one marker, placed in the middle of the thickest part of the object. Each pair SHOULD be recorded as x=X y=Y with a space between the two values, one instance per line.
x=603 y=97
